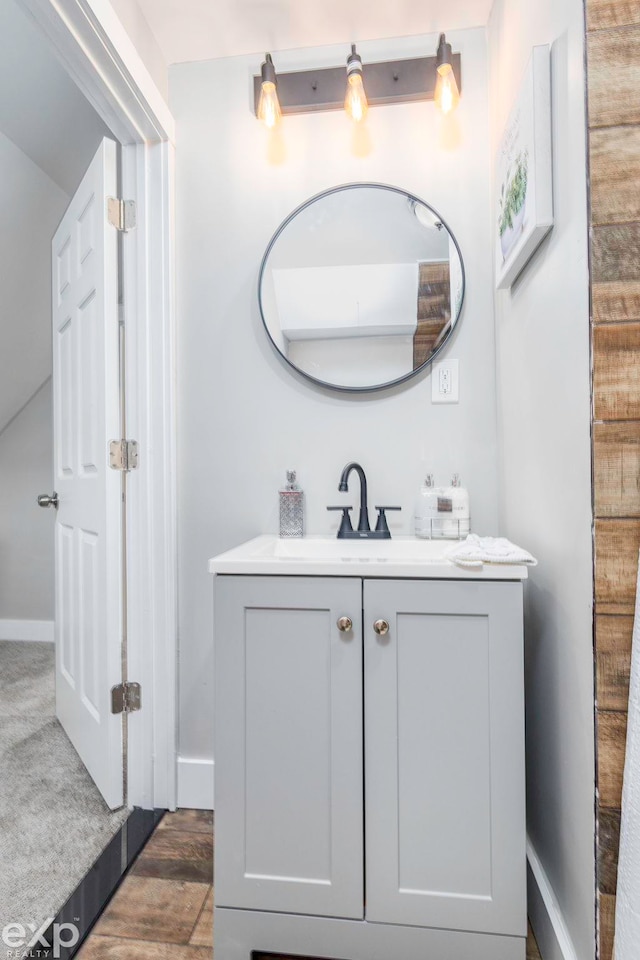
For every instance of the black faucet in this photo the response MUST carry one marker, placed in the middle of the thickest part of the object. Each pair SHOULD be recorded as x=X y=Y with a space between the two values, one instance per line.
x=364 y=531
x=343 y=486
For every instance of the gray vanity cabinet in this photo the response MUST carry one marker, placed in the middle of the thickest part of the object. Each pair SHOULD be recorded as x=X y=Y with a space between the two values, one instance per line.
x=288 y=745
x=444 y=755
x=387 y=760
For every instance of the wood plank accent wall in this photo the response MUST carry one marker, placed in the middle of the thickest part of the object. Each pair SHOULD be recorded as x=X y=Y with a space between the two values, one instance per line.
x=613 y=81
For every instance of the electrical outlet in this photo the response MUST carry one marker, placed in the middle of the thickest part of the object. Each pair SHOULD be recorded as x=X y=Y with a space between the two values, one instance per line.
x=444 y=382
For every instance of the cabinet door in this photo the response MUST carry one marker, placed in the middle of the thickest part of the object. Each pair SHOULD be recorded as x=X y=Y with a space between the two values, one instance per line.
x=288 y=745
x=444 y=755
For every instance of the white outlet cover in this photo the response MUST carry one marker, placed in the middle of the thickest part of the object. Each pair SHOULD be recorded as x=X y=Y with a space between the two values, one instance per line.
x=445 y=382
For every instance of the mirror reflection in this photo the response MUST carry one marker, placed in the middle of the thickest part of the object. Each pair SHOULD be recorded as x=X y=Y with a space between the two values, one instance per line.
x=361 y=286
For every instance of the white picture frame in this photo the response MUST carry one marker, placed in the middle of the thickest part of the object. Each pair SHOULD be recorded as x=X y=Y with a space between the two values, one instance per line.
x=524 y=177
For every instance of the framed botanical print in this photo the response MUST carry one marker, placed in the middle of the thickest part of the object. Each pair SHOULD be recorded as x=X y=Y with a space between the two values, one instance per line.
x=524 y=194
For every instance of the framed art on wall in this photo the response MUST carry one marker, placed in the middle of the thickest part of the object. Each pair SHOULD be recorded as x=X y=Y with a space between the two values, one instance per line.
x=524 y=195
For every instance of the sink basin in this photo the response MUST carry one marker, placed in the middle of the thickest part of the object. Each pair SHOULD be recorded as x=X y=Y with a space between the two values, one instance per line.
x=328 y=556
x=329 y=548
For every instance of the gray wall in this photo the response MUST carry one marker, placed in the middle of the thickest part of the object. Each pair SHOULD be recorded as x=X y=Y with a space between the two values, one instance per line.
x=542 y=328
x=43 y=112
x=31 y=206
x=26 y=531
x=243 y=417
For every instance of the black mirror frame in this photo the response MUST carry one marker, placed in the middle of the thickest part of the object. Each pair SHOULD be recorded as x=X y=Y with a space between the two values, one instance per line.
x=282 y=227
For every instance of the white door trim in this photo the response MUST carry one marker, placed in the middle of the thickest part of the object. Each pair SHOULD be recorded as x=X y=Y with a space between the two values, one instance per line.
x=151 y=519
x=99 y=55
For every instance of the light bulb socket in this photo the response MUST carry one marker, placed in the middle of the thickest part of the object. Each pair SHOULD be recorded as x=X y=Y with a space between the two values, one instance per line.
x=444 y=55
x=268 y=71
x=354 y=61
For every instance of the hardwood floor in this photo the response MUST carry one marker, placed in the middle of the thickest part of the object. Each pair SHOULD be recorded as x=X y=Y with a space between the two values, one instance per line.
x=164 y=908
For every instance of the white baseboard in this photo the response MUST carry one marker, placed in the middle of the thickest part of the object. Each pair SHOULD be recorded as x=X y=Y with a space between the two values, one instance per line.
x=544 y=912
x=195 y=783
x=40 y=630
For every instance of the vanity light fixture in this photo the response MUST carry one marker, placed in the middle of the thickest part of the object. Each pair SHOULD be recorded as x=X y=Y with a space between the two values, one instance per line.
x=268 y=104
x=355 y=101
x=446 y=94
x=393 y=81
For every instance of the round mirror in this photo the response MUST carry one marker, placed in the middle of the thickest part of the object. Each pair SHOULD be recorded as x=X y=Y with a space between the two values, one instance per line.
x=361 y=286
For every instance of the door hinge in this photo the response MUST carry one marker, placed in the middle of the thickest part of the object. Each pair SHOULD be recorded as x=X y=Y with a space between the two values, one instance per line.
x=123 y=455
x=126 y=698
x=121 y=213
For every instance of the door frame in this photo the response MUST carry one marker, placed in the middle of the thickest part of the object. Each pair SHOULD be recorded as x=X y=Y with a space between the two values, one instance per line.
x=100 y=57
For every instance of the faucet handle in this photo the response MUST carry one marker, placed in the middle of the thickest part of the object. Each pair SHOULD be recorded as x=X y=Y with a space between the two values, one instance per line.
x=345 y=524
x=382 y=525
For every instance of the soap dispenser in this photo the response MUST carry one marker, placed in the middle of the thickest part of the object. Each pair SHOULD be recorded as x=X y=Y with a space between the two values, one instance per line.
x=291 y=508
x=426 y=509
x=460 y=507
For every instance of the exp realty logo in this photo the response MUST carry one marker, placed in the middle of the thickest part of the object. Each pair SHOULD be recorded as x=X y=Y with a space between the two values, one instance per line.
x=40 y=943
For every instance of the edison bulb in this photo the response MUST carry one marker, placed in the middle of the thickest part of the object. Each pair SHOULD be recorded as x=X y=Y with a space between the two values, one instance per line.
x=269 y=105
x=355 y=101
x=446 y=93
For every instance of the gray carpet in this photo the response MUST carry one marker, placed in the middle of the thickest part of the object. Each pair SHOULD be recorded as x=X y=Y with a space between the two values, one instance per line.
x=27 y=680
x=53 y=821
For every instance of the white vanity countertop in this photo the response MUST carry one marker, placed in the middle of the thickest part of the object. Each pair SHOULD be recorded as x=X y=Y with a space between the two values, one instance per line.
x=329 y=557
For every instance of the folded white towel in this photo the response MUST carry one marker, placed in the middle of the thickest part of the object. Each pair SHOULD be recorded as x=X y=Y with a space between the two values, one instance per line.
x=475 y=550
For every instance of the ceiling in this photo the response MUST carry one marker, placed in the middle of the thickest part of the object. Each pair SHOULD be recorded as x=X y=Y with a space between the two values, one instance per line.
x=207 y=29
x=41 y=109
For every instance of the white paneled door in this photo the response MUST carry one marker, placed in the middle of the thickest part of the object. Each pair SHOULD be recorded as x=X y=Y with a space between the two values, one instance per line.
x=88 y=528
